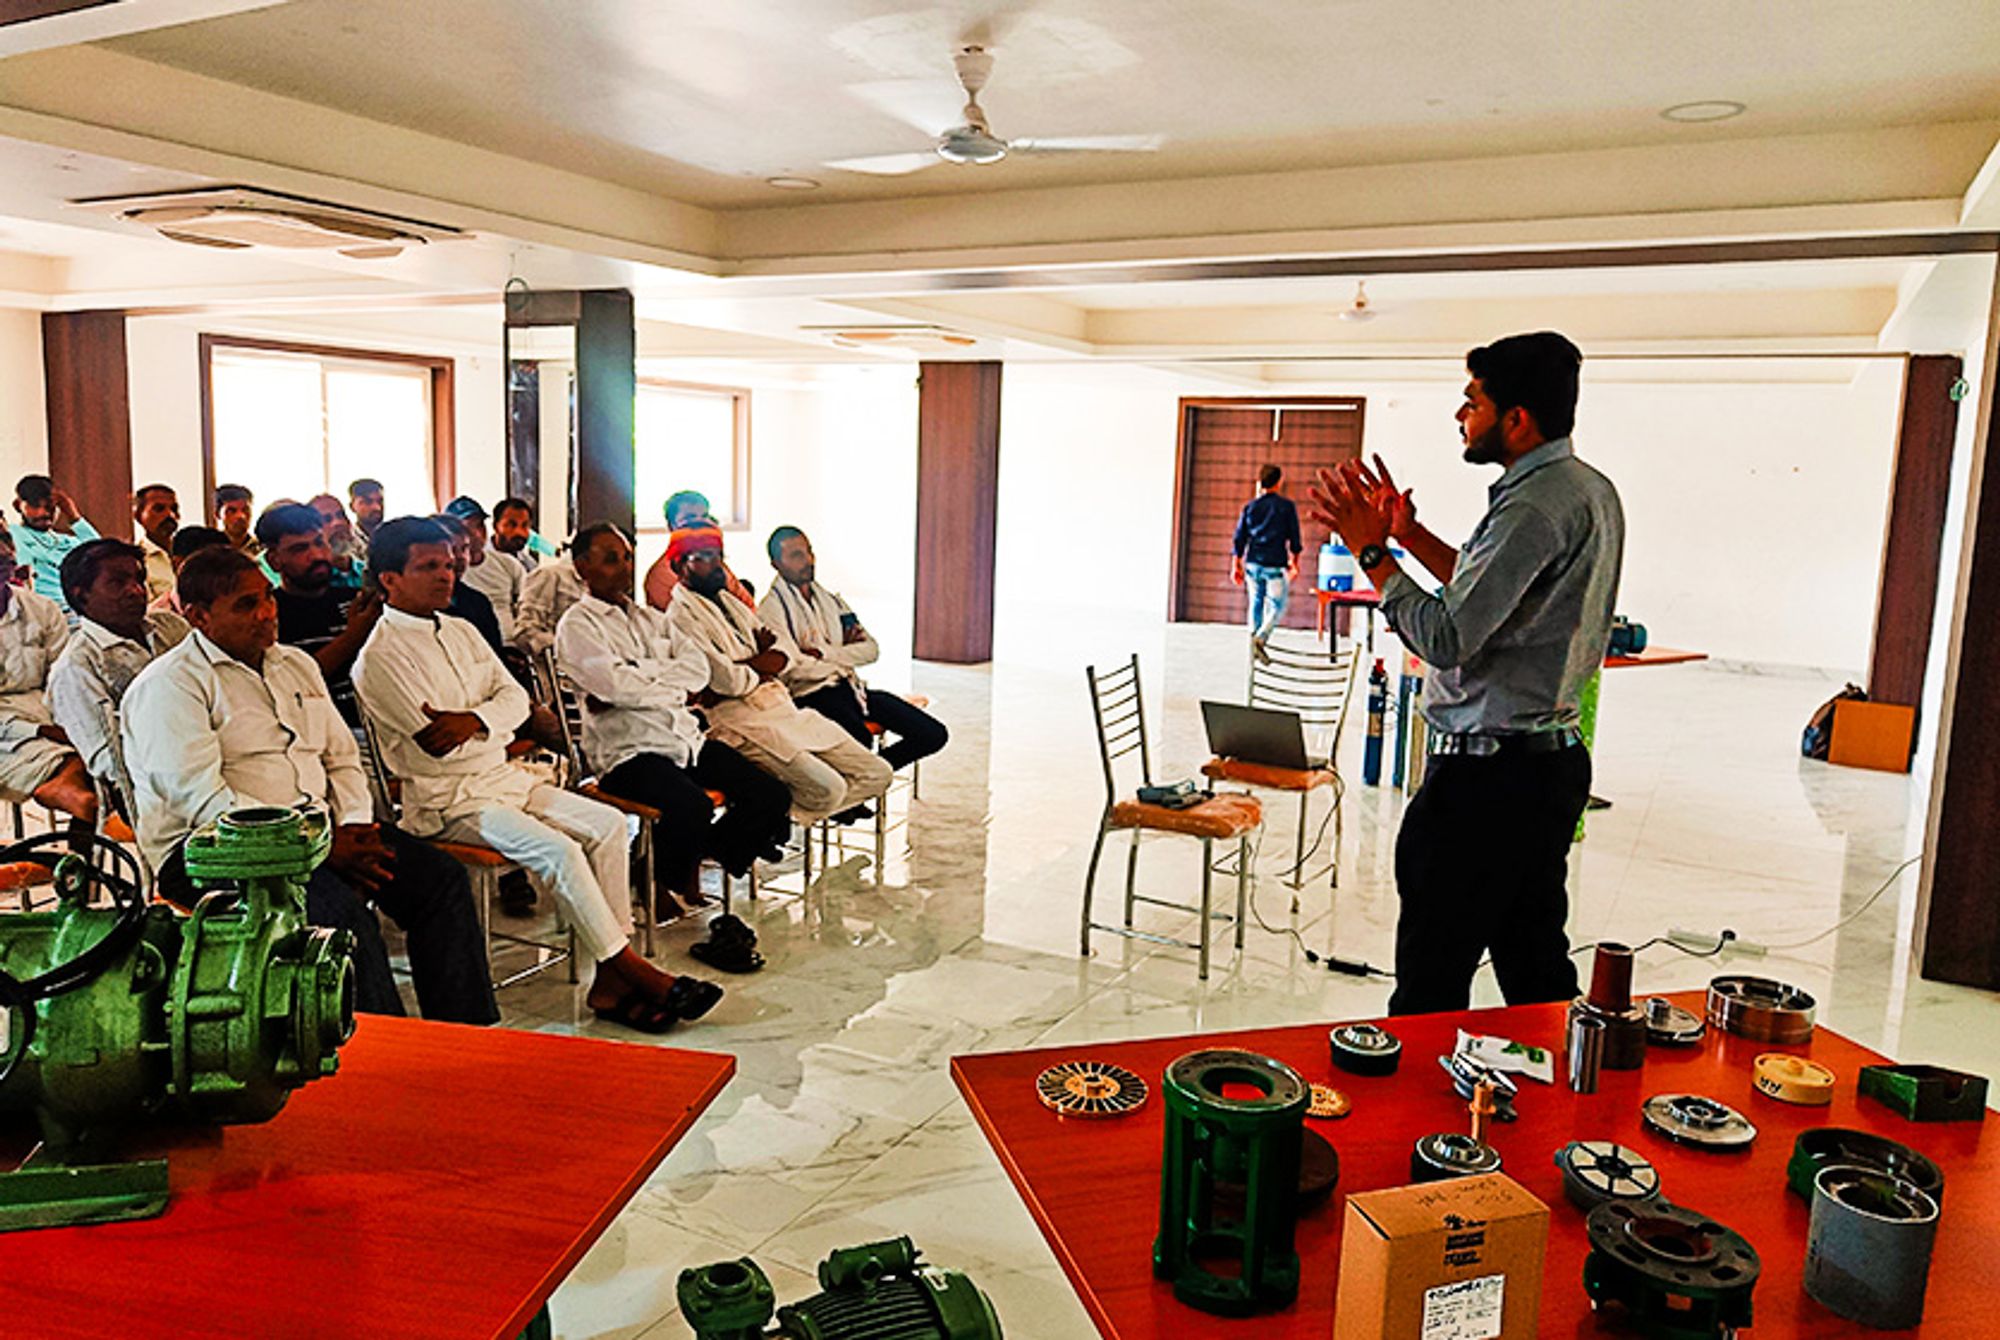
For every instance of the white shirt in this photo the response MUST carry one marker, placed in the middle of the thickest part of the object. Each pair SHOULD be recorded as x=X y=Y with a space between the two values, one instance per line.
x=205 y=734
x=753 y=711
x=499 y=578
x=546 y=596
x=630 y=657
x=159 y=568
x=410 y=662
x=814 y=625
x=33 y=633
x=90 y=678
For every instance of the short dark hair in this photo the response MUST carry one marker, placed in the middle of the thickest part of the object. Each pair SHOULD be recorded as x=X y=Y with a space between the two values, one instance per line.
x=579 y=546
x=776 y=544
x=190 y=540
x=35 y=489
x=465 y=507
x=506 y=505
x=1537 y=373
x=139 y=494
x=389 y=551
x=282 y=519
x=1268 y=477
x=229 y=493
x=81 y=565
x=212 y=574
x=452 y=524
x=364 y=485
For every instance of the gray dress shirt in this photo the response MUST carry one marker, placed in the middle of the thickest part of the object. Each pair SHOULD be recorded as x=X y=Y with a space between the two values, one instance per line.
x=1523 y=623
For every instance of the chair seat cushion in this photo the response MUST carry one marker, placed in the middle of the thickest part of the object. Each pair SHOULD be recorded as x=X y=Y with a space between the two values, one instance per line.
x=1263 y=774
x=592 y=791
x=1222 y=817
x=467 y=853
x=17 y=875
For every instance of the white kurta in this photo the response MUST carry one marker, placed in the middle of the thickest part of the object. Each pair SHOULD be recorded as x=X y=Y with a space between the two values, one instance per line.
x=813 y=623
x=499 y=577
x=631 y=658
x=545 y=597
x=89 y=680
x=753 y=711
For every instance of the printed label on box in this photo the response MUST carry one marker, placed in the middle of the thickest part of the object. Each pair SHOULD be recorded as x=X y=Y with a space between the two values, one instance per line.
x=1467 y=1310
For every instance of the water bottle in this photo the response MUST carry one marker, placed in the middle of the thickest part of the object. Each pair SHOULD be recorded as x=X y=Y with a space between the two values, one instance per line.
x=1337 y=566
x=1405 y=686
x=1378 y=705
x=1328 y=566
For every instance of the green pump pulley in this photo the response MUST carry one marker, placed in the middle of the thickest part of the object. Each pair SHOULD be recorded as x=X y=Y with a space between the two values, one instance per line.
x=880 y=1291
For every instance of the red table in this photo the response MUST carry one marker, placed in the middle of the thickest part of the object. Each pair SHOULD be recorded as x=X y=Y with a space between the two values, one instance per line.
x=1093 y=1187
x=441 y=1185
x=1364 y=598
x=1653 y=656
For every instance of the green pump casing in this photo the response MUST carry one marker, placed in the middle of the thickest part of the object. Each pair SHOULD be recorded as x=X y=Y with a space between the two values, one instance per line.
x=879 y=1291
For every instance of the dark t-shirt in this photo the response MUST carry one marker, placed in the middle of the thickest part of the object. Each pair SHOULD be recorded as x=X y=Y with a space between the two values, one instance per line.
x=308 y=621
x=1268 y=531
x=477 y=610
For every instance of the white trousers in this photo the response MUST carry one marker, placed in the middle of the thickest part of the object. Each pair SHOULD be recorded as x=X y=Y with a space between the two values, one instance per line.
x=825 y=781
x=577 y=849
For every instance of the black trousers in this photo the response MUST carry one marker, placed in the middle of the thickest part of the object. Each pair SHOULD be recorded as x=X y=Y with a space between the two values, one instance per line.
x=918 y=733
x=1482 y=865
x=430 y=898
x=756 y=811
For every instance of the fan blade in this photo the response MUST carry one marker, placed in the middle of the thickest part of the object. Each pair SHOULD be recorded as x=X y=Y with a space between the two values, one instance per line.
x=1088 y=144
x=930 y=105
x=886 y=165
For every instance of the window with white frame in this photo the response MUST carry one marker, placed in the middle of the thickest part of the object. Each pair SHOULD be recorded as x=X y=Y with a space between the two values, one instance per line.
x=691 y=437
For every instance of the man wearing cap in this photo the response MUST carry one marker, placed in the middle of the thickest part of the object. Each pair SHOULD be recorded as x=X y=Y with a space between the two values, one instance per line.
x=748 y=706
x=493 y=574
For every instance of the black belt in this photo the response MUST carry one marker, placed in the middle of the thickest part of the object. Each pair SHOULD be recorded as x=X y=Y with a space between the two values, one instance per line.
x=1442 y=744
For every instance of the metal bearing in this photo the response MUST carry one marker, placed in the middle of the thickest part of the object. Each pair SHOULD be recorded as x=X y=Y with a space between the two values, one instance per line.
x=1668 y=1025
x=1365 y=1049
x=1450 y=1154
x=1690 y=1119
x=1760 y=1009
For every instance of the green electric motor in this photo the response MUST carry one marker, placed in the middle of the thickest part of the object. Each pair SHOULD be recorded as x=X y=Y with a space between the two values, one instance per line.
x=125 y=1016
x=881 y=1291
x=1229 y=1181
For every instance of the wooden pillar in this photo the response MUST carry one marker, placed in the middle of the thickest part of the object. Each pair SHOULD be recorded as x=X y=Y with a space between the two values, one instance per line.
x=607 y=391
x=958 y=477
x=1958 y=899
x=1906 y=600
x=90 y=416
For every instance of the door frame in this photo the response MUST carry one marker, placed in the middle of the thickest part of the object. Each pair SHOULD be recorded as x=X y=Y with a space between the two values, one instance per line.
x=1184 y=447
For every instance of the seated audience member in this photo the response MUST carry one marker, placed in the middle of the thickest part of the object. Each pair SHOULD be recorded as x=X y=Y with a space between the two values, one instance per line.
x=514 y=533
x=748 y=707
x=492 y=574
x=232 y=515
x=350 y=562
x=445 y=707
x=231 y=718
x=466 y=603
x=639 y=677
x=188 y=541
x=50 y=527
x=683 y=510
x=36 y=760
x=328 y=622
x=116 y=637
x=835 y=645
x=156 y=511
x=546 y=596
x=364 y=499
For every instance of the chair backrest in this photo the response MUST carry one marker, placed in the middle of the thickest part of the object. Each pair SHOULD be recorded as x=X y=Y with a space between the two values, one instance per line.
x=567 y=704
x=380 y=788
x=1319 y=689
x=1118 y=706
x=114 y=794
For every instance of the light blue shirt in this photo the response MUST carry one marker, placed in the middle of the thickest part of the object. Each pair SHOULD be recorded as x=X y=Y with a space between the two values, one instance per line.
x=42 y=553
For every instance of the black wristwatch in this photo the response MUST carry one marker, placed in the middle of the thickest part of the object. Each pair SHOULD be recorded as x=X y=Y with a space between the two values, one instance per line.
x=1371 y=556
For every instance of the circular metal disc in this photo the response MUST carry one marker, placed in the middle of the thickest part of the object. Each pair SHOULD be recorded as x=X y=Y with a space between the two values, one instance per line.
x=1451 y=1154
x=1595 y=1171
x=1793 y=1079
x=1327 y=1102
x=1668 y=1025
x=1690 y=1119
x=1365 y=1049
x=1761 y=1009
x=1090 y=1089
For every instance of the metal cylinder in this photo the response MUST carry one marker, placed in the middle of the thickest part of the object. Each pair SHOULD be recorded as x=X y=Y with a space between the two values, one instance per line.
x=1868 y=1250
x=1611 y=977
x=1586 y=1052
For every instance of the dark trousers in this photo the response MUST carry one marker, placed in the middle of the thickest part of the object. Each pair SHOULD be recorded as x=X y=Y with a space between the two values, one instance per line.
x=429 y=898
x=1482 y=865
x=918 y=733
x=756 y=811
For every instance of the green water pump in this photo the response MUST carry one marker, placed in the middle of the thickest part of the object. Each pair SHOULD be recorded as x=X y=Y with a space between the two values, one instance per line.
x=131 y=1015
x=881 y=1291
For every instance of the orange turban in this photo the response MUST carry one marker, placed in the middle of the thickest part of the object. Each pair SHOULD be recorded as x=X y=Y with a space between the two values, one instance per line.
x=690 y=539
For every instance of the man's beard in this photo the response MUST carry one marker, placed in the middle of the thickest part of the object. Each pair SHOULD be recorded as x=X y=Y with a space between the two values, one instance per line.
x=510 y=544
x=1489 y=448
x=710 y=584
x=805 y=578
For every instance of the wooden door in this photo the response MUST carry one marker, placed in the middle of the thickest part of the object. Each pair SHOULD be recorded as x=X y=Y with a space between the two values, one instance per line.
x=1224 y=443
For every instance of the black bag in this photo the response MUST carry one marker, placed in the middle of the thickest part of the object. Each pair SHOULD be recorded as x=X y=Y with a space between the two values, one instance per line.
x=1819 y=731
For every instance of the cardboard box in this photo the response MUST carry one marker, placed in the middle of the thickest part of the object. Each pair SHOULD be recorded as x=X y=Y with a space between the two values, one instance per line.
x=1872 y=735
x=1456 y=1260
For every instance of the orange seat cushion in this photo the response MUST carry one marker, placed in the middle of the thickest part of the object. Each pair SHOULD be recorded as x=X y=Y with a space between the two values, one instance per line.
x=18 y=875
x=117 y=829
x=593 y=791
x=1222 y=817
x=717 y=799
x=1263 y=774
x=466 y=853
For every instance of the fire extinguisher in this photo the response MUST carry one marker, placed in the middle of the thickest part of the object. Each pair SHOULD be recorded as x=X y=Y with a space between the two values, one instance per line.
x=1378 y=706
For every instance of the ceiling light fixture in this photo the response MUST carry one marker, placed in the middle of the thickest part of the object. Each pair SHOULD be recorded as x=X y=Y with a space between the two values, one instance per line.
x=1695 y=113
x=792 y=183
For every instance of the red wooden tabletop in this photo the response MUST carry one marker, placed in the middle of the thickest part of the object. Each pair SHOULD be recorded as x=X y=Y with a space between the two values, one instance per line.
x=1094 y=1186
x=1654 y=656
x=1359 y=596
x=441 y=1185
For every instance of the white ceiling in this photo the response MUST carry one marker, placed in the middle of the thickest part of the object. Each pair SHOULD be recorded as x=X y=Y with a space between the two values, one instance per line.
x=702 y=100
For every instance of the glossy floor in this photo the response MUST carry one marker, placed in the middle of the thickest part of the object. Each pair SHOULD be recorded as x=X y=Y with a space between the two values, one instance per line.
x=842 y=1125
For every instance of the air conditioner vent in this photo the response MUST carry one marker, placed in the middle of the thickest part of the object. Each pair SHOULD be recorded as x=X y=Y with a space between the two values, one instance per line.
x=239 y=218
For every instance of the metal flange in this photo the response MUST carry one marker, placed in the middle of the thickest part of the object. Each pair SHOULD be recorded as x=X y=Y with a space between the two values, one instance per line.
x=1761 y=1009
x=1678 y=1274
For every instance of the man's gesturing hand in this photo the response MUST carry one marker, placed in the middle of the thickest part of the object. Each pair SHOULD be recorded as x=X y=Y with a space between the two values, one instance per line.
x=1352 y=509
x=447 y=731
x=361 y=857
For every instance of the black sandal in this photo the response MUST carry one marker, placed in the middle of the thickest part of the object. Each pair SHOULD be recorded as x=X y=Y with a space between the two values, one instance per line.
x=641 y=1014
x=689 y=998
x=736 y=956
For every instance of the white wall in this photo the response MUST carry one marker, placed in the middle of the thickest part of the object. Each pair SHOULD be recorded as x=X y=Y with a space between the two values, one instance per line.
x=24 y=427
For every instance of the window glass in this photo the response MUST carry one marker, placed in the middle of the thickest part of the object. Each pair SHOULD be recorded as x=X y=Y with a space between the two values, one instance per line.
x=686 y=438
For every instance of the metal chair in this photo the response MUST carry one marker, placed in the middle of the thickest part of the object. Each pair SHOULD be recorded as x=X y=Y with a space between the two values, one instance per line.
x=1117 y=703
x=1319 y=691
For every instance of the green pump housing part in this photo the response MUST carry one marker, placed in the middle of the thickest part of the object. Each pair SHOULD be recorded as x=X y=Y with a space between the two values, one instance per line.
x=210 y=1017
x=879 y=1291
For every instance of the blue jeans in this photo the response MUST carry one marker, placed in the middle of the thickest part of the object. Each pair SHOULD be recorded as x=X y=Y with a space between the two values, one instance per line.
x=1269 y=588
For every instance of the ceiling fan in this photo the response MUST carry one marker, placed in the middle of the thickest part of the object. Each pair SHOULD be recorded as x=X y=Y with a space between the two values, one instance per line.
x=972 y=140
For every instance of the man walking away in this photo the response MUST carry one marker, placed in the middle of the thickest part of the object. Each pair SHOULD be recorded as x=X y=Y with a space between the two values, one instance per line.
x=1265 y=553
